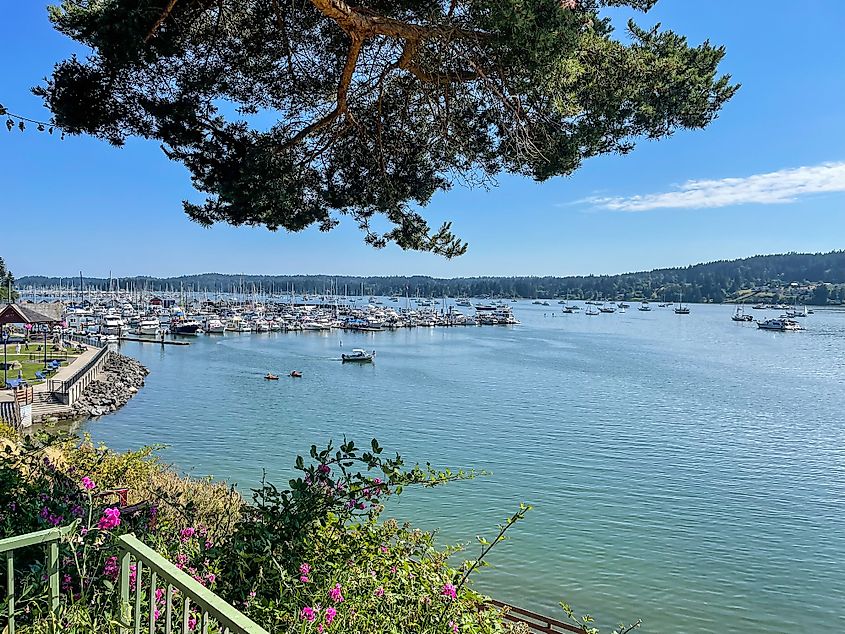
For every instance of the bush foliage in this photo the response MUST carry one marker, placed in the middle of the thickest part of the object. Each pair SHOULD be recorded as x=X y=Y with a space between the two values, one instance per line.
x=313 y=557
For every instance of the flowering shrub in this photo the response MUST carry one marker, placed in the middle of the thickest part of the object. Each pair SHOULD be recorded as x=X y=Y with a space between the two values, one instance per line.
x=315 y=557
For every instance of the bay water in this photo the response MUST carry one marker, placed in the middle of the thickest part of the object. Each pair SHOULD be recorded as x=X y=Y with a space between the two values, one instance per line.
x=684 y=469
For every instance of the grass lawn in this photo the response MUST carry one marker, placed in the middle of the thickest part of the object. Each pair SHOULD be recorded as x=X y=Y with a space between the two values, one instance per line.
x=32 y=360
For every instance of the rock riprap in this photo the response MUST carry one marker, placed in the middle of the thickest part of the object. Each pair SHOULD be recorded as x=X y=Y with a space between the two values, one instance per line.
x=119 y=381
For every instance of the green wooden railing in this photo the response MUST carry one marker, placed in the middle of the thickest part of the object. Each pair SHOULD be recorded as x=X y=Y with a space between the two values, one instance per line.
x=213 y=613
x=50 y=538
x=210 y=608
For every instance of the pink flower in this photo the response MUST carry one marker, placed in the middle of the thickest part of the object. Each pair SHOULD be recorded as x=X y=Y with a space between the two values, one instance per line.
x=88 y=484
x=393 y=569
x=111 y=568
x=449 y=591
x=330 y=614
x=211 y=577
x=454 y=627
x=335 y=594
x=324 y=469
x=110 y=519
x=192 y=623
x=320 y=628
x=187 y=533
x=384 y=549
x=308 y=614
x=304 y=569
x=380 y=591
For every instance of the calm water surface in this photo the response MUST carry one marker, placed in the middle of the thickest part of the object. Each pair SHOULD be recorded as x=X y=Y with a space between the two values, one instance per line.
x=686 y=470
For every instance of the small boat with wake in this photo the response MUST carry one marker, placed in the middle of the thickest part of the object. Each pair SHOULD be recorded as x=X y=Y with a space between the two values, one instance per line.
x=779 y=325
x=271 y=377
x=358 y=355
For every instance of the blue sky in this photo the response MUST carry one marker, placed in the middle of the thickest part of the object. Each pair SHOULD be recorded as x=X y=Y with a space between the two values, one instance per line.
x=79 y=204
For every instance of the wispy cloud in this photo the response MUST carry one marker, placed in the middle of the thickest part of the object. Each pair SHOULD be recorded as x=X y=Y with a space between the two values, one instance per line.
x=783 y=186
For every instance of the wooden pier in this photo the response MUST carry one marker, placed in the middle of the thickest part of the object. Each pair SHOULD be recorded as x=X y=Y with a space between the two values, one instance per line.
x=163 y=342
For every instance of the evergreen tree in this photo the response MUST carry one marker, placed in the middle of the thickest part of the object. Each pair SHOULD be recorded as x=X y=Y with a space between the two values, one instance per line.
x=6 y=280
x=377 y=105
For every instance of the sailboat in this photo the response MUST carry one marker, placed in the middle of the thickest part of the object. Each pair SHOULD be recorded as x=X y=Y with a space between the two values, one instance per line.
x=681 y=309
x=739 y=315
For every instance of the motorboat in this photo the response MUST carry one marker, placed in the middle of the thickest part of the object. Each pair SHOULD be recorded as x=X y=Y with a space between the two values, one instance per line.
x=296 y=374
x=148 y=327
x=271 y=377
x=184 y=327
x=215 y=326
x=112 y=324
x=358 y=355
x=779 y=325
x=644 y=306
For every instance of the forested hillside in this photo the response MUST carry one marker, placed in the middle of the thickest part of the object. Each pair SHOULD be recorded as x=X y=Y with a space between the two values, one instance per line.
x=817 y=278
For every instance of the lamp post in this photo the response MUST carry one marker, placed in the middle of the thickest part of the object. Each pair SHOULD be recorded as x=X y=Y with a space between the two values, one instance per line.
x=5 y=362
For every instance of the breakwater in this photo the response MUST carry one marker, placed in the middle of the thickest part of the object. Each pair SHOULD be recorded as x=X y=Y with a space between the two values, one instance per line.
x=120 y=380
x=107 y=387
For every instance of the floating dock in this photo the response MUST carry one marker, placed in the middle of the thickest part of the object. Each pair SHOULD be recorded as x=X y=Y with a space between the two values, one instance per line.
x=163 y=342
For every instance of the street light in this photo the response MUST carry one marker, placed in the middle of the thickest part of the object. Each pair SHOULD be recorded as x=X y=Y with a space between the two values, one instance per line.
x=5 y=363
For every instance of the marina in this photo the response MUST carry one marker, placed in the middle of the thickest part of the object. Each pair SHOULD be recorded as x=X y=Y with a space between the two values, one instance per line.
x=647 y=442
x=175 y=318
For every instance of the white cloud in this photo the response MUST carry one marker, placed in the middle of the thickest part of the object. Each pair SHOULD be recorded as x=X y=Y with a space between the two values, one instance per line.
x=783 y=186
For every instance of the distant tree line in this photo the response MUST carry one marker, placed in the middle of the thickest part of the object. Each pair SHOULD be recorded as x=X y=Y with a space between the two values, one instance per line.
x=816 y=278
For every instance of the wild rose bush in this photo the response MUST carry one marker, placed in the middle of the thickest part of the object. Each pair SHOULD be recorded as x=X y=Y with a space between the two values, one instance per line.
x=314 y=557
x=50 y=482
x=372 y=577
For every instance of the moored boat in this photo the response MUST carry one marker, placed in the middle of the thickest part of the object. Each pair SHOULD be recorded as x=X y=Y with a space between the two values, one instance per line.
x=148 y=327
x=739 y=315
x=184 y=327
x=215 y=326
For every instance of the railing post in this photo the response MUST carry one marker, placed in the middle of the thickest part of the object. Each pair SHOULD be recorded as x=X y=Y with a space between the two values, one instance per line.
x=10 y=590
x=124 y=592
x=53 y=571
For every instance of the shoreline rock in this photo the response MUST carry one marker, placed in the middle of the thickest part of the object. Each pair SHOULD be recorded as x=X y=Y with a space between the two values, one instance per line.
x=119 y=381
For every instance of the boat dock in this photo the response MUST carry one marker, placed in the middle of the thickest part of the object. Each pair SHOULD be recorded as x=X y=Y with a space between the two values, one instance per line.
x=163 y=342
